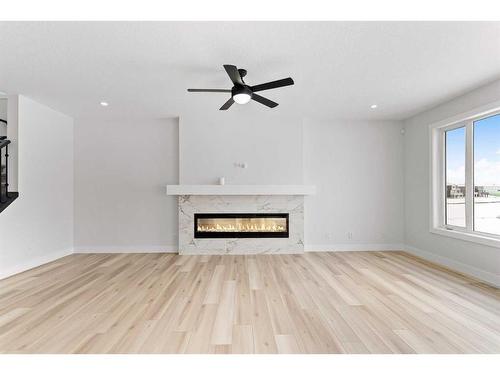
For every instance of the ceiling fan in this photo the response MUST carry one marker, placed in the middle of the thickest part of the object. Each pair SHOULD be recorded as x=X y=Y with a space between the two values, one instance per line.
x=241 y=93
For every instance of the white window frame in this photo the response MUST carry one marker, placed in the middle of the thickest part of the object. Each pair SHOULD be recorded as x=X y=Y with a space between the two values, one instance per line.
x=437 y=176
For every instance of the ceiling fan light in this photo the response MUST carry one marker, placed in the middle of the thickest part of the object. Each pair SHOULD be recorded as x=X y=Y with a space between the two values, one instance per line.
x=242 y=98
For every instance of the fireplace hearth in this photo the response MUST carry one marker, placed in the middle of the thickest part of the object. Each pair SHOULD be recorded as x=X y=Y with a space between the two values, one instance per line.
x=241 y=225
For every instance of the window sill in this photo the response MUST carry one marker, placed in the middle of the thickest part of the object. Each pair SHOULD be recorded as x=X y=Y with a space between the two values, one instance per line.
x=472 y=237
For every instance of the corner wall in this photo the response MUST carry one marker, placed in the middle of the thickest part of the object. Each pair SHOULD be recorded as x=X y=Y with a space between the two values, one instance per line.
x=475 y=259
x=38 y=226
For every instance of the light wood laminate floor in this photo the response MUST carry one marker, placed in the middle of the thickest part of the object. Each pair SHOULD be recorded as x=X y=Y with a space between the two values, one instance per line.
x=356 y=302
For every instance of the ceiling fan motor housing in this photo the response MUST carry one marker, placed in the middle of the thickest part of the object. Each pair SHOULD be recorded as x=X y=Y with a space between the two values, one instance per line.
x=237 y=89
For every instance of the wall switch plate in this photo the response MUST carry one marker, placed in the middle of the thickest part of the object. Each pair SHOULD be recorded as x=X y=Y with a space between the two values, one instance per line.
x=241 y=165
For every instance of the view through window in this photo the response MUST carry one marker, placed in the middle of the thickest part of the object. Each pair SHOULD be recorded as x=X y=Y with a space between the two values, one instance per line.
x=487 y=175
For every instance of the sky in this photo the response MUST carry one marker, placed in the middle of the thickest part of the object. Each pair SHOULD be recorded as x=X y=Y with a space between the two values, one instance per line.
x=486 y=153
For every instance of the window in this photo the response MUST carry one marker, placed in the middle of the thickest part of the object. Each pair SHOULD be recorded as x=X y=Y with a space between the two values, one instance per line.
x=465 y=177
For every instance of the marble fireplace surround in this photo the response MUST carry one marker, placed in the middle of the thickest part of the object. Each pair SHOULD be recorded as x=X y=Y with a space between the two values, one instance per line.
x=241 y=199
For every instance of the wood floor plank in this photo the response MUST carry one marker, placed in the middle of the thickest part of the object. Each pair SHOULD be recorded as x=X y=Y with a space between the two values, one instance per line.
x=242 y=342
x=287 y=344
x=223 y=327
x=262 y=326
x=199 y=341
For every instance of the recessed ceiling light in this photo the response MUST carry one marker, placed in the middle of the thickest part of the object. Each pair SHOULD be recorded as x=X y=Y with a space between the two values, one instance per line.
x=104 y=104
x=373 y=106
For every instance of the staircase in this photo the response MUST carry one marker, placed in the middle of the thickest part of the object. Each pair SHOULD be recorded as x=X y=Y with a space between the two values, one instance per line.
x=3 y=181
x=6 y=197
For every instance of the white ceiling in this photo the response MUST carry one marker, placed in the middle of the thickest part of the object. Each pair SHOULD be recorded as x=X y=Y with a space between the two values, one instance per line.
x=340 y=68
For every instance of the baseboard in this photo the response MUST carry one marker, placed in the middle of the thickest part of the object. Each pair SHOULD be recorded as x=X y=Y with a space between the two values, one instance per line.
x=485 y=276
x=34 y=263
x=174 y=249
x=354 y=247
x=126 y=249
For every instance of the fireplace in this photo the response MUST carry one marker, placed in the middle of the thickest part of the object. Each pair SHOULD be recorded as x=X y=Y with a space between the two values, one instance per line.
x=241 y=225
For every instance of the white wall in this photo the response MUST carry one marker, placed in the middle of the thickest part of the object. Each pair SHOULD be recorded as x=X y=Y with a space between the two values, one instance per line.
x=357 y=167
x=122 y=166
x=3 y=108
x=210 y=144
x=482 y=261
x=38 y=226
x=121 y=169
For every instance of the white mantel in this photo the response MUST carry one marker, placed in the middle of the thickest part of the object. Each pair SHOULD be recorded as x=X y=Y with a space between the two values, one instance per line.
x=241 y=189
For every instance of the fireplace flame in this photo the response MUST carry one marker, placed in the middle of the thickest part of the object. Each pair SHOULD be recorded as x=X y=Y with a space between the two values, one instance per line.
x=241 y=227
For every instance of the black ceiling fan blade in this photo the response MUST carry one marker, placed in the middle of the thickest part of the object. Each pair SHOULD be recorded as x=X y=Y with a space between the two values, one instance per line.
x=232 y=72
x=208 y=90
x=227 y=104
x=264 y=101
x=273 y=85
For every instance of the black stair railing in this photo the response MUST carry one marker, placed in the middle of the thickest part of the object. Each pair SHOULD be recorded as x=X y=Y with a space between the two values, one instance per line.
x=4 y=169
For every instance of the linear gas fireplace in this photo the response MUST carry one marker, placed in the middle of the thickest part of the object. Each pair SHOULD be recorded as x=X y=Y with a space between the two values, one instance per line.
x=246 y=225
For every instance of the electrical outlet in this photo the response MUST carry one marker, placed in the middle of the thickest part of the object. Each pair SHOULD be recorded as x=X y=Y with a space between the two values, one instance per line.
x=349 y=235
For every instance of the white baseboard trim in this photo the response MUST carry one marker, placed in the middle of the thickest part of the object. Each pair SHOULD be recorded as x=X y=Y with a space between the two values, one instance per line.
x=4 y=273
x=125 y=249
x=354 y=247
x=487 y=277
